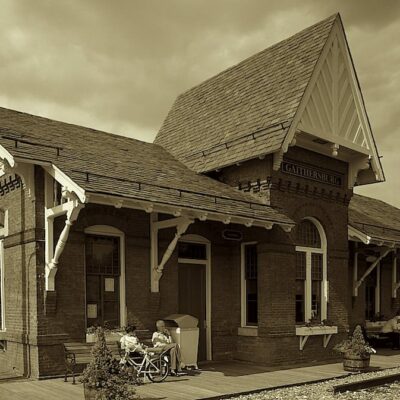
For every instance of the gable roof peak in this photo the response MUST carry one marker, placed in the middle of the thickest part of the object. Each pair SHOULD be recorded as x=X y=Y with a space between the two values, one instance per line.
x=253 y=97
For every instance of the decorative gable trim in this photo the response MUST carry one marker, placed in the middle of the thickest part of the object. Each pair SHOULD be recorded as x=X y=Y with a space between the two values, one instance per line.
x=333 y=109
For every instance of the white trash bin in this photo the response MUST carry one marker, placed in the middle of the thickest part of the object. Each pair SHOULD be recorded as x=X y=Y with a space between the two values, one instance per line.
x=185 y=332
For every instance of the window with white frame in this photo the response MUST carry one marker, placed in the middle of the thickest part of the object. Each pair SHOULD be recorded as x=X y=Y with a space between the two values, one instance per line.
x=249 y=267
x=311 y=272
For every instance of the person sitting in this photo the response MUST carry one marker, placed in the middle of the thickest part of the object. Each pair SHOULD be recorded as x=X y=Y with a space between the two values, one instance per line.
x=392 y=329
x=162 y=339
x=130 y=342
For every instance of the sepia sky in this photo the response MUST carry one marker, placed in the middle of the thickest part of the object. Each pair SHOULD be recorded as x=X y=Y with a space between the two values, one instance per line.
x=118 y=65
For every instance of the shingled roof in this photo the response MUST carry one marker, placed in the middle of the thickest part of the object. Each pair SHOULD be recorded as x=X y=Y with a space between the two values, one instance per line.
x=245 y=111
x=374 y=218
x=104 y=163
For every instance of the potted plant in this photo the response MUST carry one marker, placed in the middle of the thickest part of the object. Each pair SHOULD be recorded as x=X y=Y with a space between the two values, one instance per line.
x=111 y=334
x=102 y=378
x=91 y=334
x=356 y=352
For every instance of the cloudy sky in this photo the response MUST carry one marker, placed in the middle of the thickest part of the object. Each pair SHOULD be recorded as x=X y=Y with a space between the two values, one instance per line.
x=118 y=65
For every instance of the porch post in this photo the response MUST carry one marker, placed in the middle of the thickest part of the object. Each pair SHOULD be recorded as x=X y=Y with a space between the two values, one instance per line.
x=355 y=270
x=395 y=283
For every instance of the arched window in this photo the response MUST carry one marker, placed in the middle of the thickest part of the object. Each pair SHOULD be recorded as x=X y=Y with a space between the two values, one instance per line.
x=311 y=271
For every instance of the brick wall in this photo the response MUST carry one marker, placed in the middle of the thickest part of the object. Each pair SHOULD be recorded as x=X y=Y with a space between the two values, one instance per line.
x=299 y=198
x=20 y=283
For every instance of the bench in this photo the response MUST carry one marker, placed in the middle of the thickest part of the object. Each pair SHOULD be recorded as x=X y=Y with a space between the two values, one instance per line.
x=373 y=331
x=76 y=353
x=144 y=336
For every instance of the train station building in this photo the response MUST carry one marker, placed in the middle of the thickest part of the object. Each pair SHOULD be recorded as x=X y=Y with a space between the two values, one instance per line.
x=241 y=213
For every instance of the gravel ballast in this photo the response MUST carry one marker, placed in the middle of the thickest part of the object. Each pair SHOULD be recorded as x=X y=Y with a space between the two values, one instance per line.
x=324 y=390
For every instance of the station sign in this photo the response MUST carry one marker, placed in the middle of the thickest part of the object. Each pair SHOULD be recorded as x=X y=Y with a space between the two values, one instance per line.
x=311 y=172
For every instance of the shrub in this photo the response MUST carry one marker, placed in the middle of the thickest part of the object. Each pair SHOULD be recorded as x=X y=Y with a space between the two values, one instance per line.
x=355 y=345
x=103 y=373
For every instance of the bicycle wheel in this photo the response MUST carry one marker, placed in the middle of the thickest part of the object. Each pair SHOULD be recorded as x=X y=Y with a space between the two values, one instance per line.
x=158 y=370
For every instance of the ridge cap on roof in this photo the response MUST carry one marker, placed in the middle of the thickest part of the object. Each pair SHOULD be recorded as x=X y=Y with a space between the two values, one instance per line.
x=299 y=33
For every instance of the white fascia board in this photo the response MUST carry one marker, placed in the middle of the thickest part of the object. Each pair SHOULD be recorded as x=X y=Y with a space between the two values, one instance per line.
x=118 y=202
x=355 y=233
x=66 y=181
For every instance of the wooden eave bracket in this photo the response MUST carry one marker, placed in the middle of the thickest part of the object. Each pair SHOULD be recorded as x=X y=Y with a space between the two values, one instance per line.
x=71 y=209
x=358 y=283
x=180 y=224
x=66 y=182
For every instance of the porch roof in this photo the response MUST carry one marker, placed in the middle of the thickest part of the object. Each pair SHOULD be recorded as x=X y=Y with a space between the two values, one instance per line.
x=373 y=221
x=124 y=168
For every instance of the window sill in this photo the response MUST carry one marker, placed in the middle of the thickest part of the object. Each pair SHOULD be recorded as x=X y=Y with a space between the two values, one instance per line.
x=248 y=331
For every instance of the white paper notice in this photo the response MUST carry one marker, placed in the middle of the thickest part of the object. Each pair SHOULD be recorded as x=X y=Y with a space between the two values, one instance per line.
x=109 y=284
x=92 y=310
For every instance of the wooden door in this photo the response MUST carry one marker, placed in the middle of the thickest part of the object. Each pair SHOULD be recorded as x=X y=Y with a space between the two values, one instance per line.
x=102 y=281
x=192 y=299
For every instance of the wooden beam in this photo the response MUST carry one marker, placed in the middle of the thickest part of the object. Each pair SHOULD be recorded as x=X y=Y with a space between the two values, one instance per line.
x=371 y=268
x=156 y=269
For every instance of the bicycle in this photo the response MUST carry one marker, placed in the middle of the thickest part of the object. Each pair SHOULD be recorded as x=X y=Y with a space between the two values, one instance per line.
x=150 y=362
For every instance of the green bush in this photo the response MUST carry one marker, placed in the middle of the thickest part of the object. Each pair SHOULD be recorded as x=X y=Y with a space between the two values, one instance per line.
x=355 y=345
x=104 y=374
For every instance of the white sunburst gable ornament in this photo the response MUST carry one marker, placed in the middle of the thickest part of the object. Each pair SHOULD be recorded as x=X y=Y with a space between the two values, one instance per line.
x=333 y=110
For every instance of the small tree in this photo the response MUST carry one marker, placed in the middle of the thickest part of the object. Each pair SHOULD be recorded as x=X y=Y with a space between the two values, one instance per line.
x=102 y=374
x=356 y=345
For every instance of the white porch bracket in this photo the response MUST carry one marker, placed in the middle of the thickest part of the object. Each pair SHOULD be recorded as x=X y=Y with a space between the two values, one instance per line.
x=326 y=339
x=302 y=341
x=359 y=282
x=71 y=209
x=395 y=282
x=181 y=224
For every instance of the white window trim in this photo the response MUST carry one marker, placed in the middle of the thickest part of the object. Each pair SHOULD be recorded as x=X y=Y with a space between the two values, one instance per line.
x=3 y=306
x=106 y=230
x=308 y=280
x=243 y=304
x=197 y=239
x=4 y=230
x=3 y=234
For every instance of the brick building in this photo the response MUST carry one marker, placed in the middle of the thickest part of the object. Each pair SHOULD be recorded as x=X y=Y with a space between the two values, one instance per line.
x=241 y=213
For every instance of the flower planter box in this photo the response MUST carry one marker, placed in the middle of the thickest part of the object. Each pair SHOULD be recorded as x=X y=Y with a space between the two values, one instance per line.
x=356 y=363
x=316 y=330
x=110 y=337
x=304 y=332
